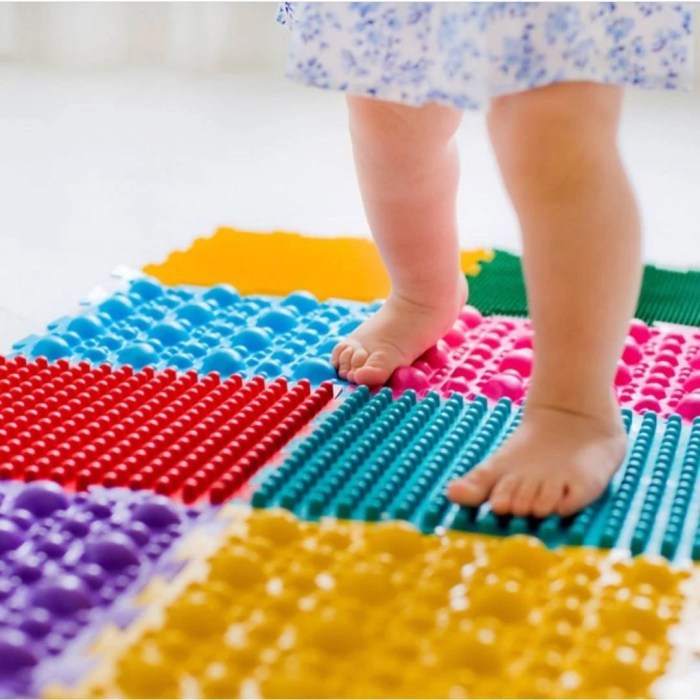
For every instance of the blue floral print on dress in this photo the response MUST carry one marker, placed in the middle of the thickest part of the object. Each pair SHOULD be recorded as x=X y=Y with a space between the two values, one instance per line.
x=463 y=54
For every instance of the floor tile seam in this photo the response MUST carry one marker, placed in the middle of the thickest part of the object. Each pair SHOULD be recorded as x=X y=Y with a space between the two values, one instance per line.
x=154 y=597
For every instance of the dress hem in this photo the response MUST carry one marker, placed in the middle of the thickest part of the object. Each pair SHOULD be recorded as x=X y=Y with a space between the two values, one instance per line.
x=396 y=95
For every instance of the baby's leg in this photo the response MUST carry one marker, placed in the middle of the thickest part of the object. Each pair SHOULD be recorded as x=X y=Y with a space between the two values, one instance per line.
x=408 y=169
x=558 y=155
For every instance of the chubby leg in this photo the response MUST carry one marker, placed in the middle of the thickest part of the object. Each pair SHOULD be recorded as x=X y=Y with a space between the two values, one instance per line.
x=558 y=155
x=408 y=170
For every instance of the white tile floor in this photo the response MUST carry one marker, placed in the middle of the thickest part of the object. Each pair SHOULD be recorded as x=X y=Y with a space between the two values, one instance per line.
x=119 y=168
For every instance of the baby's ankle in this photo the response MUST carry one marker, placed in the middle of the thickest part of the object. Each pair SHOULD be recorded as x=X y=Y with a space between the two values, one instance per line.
x=605 y=419
x=448 y=291
x=590 y=400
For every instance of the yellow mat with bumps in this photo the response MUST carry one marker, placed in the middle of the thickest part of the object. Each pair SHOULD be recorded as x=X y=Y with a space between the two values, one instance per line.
x=284 y=608
x=279 y=263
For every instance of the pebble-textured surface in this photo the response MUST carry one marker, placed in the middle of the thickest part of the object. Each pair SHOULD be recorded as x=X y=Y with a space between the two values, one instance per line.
x=179 y=434
x=67 y=561
x=337 y=609
x=378 y=458
x=217 y=330
x=205 y=329
x=191 y=393
x=491 y=355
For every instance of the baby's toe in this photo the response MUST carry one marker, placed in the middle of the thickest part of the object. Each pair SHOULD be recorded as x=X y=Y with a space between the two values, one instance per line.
x=547 y=498
x=377 y=368
x=503 y=493
x=338 y=350
x=358 y=359
x=344 y=361
x=475 y=487
x=524 y=495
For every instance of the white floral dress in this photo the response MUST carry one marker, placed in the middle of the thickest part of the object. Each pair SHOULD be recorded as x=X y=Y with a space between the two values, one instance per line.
x=462 y=54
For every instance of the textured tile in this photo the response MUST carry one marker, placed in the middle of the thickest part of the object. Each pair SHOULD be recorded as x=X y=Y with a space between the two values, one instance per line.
x=336 y=609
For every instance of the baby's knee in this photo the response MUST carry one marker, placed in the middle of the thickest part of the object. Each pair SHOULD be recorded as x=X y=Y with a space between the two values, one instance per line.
x=539 y=135
x=387 y=126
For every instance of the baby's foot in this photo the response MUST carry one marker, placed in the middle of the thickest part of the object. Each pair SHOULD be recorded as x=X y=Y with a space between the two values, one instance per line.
x=402 y=330
x=555 y=462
